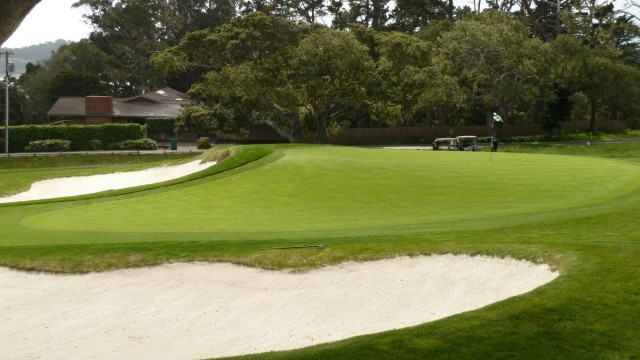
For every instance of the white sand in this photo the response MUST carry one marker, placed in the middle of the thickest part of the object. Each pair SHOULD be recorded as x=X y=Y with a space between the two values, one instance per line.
x=81 y=185
x=199 y=310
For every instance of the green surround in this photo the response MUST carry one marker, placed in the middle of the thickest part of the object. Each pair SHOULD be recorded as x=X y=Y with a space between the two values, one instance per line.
x=346 y=191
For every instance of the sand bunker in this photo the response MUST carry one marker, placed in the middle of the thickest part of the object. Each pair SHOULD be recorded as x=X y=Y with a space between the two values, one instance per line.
x=200 y=310
x=81 y=185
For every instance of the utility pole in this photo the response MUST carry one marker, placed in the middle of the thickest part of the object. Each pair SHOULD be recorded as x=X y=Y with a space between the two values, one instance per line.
x=6 y=102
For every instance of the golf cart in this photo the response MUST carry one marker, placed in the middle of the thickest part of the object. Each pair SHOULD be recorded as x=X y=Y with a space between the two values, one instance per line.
x=449 y=143
x=467 y=143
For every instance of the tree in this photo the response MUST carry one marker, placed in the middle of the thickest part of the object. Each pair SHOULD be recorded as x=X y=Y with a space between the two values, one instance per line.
x=18 y=107
x=76 y=83
x=201 y=121
x=494 y=60
x=609 y=85
x=331 y=73
x=76 y=69
x=132 y=30
x=246 y=63
x=412 y=15
x=407 y=88
x=543 y=17
x=35 y=84
x=369 y=13
x=287 y=72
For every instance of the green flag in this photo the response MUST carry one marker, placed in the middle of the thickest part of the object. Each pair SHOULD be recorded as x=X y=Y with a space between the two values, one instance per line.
x=497 y=117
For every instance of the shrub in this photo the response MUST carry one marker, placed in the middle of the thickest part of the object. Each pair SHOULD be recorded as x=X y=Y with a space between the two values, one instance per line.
x=96 y=145
x=203 y=143
x=514 y=139
x=48 y=145
x=139 y=144
x=81 y=136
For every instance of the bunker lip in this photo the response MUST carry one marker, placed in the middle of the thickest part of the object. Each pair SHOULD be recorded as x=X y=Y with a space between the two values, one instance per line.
x=82 y=185
x=201 y=310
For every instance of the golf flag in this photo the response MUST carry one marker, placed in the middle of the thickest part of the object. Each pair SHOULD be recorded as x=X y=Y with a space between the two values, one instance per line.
x=497 y=118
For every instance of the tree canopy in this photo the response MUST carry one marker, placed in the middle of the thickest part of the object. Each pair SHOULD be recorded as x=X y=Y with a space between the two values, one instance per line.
x=307 y=66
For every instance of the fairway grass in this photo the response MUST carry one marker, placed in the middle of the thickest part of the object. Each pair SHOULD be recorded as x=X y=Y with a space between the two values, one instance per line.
x=347 y=191
x=577 y=213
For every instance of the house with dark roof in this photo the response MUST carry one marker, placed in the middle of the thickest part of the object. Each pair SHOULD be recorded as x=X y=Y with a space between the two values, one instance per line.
x=93 y=110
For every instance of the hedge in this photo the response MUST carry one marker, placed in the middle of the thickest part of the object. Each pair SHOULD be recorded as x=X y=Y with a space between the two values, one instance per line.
x=81 y=136
x=161 y=124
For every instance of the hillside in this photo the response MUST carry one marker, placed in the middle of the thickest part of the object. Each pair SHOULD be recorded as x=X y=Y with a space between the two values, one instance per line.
x=34 y=53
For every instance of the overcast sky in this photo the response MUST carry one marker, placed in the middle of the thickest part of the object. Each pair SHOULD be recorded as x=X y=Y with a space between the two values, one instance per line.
x=50 y=20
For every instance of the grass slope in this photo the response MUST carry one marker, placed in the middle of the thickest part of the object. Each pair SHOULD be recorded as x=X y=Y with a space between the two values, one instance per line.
x=577 y=213
x=18 y=173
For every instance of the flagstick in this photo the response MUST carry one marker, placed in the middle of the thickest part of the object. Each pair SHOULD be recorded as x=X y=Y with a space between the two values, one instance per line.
x=493 y=123
x=491 y=150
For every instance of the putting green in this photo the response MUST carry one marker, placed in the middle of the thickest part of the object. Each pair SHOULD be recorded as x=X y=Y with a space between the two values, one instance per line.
x=324 y=188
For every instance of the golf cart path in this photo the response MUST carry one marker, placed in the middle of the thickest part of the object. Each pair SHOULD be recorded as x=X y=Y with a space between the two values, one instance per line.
x=203 y=310
x=82 y=185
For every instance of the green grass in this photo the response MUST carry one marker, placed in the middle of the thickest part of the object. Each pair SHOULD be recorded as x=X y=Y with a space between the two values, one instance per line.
x=606 y=150
x=578 y=213
x=18 y=173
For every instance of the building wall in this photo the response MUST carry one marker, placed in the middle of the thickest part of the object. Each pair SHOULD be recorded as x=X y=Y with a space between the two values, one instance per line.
x=97 y=120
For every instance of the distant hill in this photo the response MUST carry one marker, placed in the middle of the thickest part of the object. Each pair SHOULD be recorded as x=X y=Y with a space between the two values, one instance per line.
x=34 y=53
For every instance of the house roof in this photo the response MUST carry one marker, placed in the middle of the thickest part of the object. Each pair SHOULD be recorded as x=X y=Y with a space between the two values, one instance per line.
x=161 y=103
x=165 y=95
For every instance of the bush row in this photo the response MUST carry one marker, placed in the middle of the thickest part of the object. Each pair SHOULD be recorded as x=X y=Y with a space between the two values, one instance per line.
x=82 y=137
x=139 y=144
x=48 y=145
x=515 y=139
x=54 y=145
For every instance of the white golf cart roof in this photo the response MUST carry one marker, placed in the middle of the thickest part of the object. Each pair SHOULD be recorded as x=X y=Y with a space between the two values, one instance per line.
x=444 y=140
x=466 y=137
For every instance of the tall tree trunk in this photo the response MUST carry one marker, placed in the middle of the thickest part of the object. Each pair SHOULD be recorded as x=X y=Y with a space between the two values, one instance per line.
x=376 y=14
x=320 y=118
x=296 y=126
x=489 y=118
x=594 y=108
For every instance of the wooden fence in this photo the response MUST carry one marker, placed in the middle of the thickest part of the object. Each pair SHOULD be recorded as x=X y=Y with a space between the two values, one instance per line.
x=408 y=135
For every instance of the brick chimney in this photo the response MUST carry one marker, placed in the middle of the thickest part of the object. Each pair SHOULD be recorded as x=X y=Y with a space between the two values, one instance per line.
x=98 y=109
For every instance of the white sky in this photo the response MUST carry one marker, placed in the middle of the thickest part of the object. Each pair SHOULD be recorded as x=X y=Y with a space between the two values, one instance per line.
x=50 y=20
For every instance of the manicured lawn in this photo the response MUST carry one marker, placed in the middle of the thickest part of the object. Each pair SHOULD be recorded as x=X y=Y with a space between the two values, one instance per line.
x=17 y=173
x=578 y=213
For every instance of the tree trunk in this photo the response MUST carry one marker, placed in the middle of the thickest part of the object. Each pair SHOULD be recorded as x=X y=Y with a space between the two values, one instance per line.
x=450 y=8
x=376 y=14
x=296 y=126
x=320 y=118
x=489 y=118
x=13 y=12
x=592 y=121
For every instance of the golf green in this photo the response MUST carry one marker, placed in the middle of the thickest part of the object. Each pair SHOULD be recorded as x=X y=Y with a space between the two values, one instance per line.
x=345 y=190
